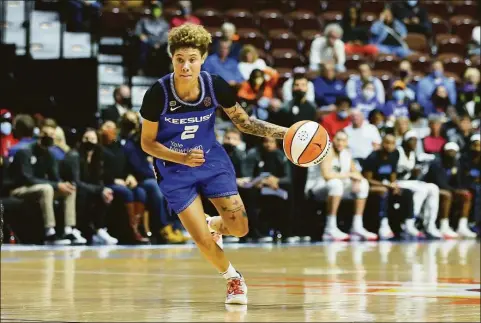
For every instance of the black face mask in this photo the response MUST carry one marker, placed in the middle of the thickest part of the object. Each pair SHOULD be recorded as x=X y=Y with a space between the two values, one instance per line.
x=128 y=126
x=468 y=96
x=126 y=102
x=228 y=148
x=440 y=102
x=415 y=115
x=298 y=95
x=46 y=141
x=88 y=146
x=403 y=73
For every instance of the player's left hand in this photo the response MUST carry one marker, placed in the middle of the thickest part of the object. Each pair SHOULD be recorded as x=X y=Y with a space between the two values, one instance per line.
x=131 y=182
x=194 y=158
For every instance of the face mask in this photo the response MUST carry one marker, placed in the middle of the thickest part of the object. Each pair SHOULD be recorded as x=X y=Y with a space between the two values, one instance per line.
x=368 y=94
x=185 y=11
x=46 y=141
x=6 y=128
x=126 y=102
x=469 y=96
x=128 y=126
x=398 y=95
x=88 y=146
x=228 y=148
x=343 y=114
x=157 y=12
x=415 y=115
x=403 y=73
x=412 y=3
x=36 y=131
x=298 y=95
x=380 y=125
x=438 y=74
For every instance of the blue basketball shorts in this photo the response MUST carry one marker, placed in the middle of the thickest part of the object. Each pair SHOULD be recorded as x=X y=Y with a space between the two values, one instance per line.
x=215 y=178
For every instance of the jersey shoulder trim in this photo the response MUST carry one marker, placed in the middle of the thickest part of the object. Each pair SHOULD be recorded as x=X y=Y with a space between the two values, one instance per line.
x=162 y=82
x=211 y=88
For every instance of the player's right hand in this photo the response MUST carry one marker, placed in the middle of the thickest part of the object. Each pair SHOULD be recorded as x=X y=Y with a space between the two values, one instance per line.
x=194 y=158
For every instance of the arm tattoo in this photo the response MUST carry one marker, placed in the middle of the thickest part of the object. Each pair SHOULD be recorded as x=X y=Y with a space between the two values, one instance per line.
x=254 y=126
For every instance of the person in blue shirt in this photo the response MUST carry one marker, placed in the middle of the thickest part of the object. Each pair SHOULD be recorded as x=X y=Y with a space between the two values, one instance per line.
x=355 y=83
x=221 y=64
x=328 y=87
x=430 y=82
x=178 y=114
x=399 y=105
x=368 y=100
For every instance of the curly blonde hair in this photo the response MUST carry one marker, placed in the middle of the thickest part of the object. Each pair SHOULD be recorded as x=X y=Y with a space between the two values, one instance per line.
x=189 y=36
x=248 y=49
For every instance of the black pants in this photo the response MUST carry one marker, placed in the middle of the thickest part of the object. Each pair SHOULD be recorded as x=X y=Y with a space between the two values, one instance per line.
x=91 y=211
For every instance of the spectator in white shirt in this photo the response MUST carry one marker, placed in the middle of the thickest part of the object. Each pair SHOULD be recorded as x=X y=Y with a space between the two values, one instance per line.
x=287 y=86
x=249 y=61
x=363 y=137
x=355 y=84
x=327 y=48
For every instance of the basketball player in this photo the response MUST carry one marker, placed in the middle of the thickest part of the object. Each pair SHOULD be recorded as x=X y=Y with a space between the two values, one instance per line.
x=178 y=131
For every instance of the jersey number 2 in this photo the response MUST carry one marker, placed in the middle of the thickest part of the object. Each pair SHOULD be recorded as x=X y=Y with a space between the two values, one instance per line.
x=189 y=132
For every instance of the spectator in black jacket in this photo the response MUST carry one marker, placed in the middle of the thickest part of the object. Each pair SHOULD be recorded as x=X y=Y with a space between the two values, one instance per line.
x=274 y=190
x=140 y=165
x=463 y=132
x=414 y=16
x=23 y=127
x=92 y=196
x=117 y=177
x=35 y=173
x=123 y=102
x=446 y=173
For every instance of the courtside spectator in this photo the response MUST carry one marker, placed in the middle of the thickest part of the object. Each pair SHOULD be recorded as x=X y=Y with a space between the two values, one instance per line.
x=414 y=16
x=355 y=37
x=445 y=172
x=221 y=64
x=328 y=87
x=388 y=35
x=355 y=83
x=35 y=173
x=338 y=119
x=140 y=166
x=23 y=129
x=399 y=105
x=424 y=194
x=228 y=33
x=475 y=46
x=471 y=176
x=368 y=100
x=363 y=137
x=434 y=142
x=186 y=16
x=7 y=140
x=123 y=102
x=287 y=86
x=380 y=171
x=249 y=61
x=378 y=119
x=328 y=48
x=340 y=179
x=117 y=177
x=401 y=126
x=152 y=32
x=93 y=197
x=427 y=85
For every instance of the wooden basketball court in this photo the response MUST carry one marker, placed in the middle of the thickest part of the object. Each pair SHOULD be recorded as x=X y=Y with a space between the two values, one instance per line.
x=345 y=282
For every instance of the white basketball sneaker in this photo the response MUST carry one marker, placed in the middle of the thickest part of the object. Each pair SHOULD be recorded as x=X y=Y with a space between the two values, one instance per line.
x=334 y=234
x=236 y=291
x=466 y=233
x=215 y=235
x=448 y=233
x=363 y=234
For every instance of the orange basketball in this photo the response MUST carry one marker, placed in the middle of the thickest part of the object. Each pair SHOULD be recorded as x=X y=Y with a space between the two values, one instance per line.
x=306 y=143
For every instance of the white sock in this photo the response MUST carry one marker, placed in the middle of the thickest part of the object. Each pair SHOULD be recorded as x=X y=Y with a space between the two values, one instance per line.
x=357 y=222
x=331 y=221
x=384 y=222
x=410 y=223
x=68 y=230
x=444 y=224
x=463 y=224
x=230 y=273
x=49 y=232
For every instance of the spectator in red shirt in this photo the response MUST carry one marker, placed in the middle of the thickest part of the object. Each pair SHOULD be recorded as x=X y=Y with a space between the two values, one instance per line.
x=6 y=137
x=186 y=16
x=339 y=119
x=433 y=144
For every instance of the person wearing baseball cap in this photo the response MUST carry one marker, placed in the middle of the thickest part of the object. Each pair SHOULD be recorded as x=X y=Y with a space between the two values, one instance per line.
x=445 y=172
x=399 y=105
x=423 y=193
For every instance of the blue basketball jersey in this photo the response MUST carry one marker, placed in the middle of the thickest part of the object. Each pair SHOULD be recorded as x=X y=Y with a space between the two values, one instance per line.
x=184 y=126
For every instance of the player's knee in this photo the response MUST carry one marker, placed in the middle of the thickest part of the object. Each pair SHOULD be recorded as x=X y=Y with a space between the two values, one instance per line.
x=335 y=187
x=240 y=228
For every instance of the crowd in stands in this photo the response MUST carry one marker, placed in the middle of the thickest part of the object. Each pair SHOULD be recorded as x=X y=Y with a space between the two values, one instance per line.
x=405 y=156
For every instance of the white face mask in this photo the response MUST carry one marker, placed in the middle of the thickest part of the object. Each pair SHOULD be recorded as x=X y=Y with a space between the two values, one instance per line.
x=368 y=94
